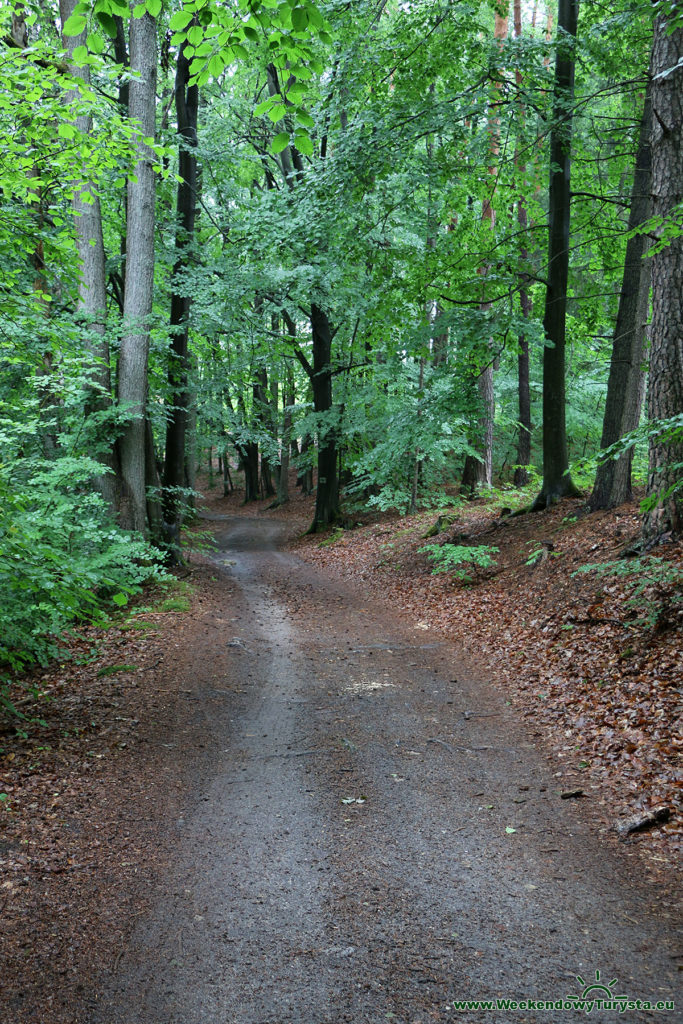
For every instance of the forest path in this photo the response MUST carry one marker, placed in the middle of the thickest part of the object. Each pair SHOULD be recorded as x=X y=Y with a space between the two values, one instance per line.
x=284 y=903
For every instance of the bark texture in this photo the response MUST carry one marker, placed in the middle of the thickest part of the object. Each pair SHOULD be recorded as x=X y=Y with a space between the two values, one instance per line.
x=478 y=472
x=521 y=475
x=665 y=396
x=187 y=105
x=557 y=483
x=327 y=491
x=92 y=281
x=139 y=279
x=626 y=377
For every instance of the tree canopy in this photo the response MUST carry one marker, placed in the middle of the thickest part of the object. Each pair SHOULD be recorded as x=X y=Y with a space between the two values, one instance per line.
x=385 y=241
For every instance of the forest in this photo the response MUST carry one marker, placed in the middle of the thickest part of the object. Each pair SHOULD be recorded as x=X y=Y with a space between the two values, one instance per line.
x=341 y=502
x=411 y=250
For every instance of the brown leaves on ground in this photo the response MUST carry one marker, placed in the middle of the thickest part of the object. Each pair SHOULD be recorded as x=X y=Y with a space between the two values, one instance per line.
x=78 y=822
x=76 y=816
x=598 y=683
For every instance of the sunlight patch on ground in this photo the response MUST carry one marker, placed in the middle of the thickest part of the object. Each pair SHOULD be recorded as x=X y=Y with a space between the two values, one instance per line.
x=366 y=685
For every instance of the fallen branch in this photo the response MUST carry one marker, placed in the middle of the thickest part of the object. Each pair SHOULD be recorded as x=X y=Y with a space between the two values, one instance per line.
x=643 y=822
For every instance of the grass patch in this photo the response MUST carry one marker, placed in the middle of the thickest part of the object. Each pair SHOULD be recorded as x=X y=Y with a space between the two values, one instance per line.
x=175 y=604
x=139 y=624
x=336 y=535
x=113 y=670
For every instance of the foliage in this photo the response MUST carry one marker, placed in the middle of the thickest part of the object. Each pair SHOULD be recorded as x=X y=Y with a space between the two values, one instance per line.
x=654 y=585
x=61 y=559
x=458 y=559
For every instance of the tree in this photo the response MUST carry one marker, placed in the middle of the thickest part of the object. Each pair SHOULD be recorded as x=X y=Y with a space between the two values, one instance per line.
x=92 y=285
x=139 y=279
x=479 y=471
x=557 y=482
x=187 y=105
x=665 y=394
x=625 y=385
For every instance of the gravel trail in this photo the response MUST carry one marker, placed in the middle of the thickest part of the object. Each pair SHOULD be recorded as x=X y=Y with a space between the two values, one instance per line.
x=364 y=834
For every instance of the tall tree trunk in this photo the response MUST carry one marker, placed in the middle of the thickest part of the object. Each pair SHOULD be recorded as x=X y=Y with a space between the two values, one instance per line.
x=557 y=482
x=153 y=493
x=92 y=282
x=478 y=472
x=187 y=105
x=249 y=455
x=327 y=491
x=417 y=457
x=139 y=281
x=288 y=399
x=261 y=413
x=665 y=397
x=625 y=384
x=521 y=475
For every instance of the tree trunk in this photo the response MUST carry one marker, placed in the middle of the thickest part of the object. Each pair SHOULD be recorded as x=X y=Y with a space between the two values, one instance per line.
x=139 y=280
x=625 y=384
x=187 y=104
x=479 y=472
x=157 y=532
x=521 y=475
x=92 y=282
x=261 y=413
x=417 y=459
x=249 y=454
x=288 y=399
x=327 y=491
x=557 y=482
x=665 y=397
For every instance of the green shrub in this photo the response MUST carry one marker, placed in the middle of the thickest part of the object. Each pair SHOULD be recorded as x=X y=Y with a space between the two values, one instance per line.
x=61 y=557
x=654 y=586
x=459 y=560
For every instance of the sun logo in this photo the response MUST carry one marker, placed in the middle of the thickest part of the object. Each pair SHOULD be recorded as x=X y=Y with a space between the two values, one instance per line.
x=596 y=988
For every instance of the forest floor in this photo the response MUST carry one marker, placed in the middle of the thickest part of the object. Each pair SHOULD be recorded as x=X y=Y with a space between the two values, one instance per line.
x=249 y=774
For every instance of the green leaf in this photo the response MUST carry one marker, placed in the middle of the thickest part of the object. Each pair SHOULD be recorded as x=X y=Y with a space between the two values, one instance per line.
x=301 y=71
x=107 y=23
x=74 y=25
x=120 y=599
x=139 y=10
x=154 y=8
x=180 y=20
x=80 y=54
x=304 y=144
x=277 y=112
x=261 y=108
x=250 y=33
x=315 y=17
x=305 y=119
x=295 y=91
x=66 y=131
x=216 y=65
x=96 y=43
x=280 y=142
x=299 y=19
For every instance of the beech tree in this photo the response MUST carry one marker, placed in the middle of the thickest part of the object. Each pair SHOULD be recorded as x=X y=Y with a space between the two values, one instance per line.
x=626 y=379
x=139 y=277
x=557 y=482
x=174 y=477
x=665 y=394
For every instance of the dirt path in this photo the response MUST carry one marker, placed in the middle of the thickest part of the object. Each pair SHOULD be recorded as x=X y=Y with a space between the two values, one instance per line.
x=457 y=873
